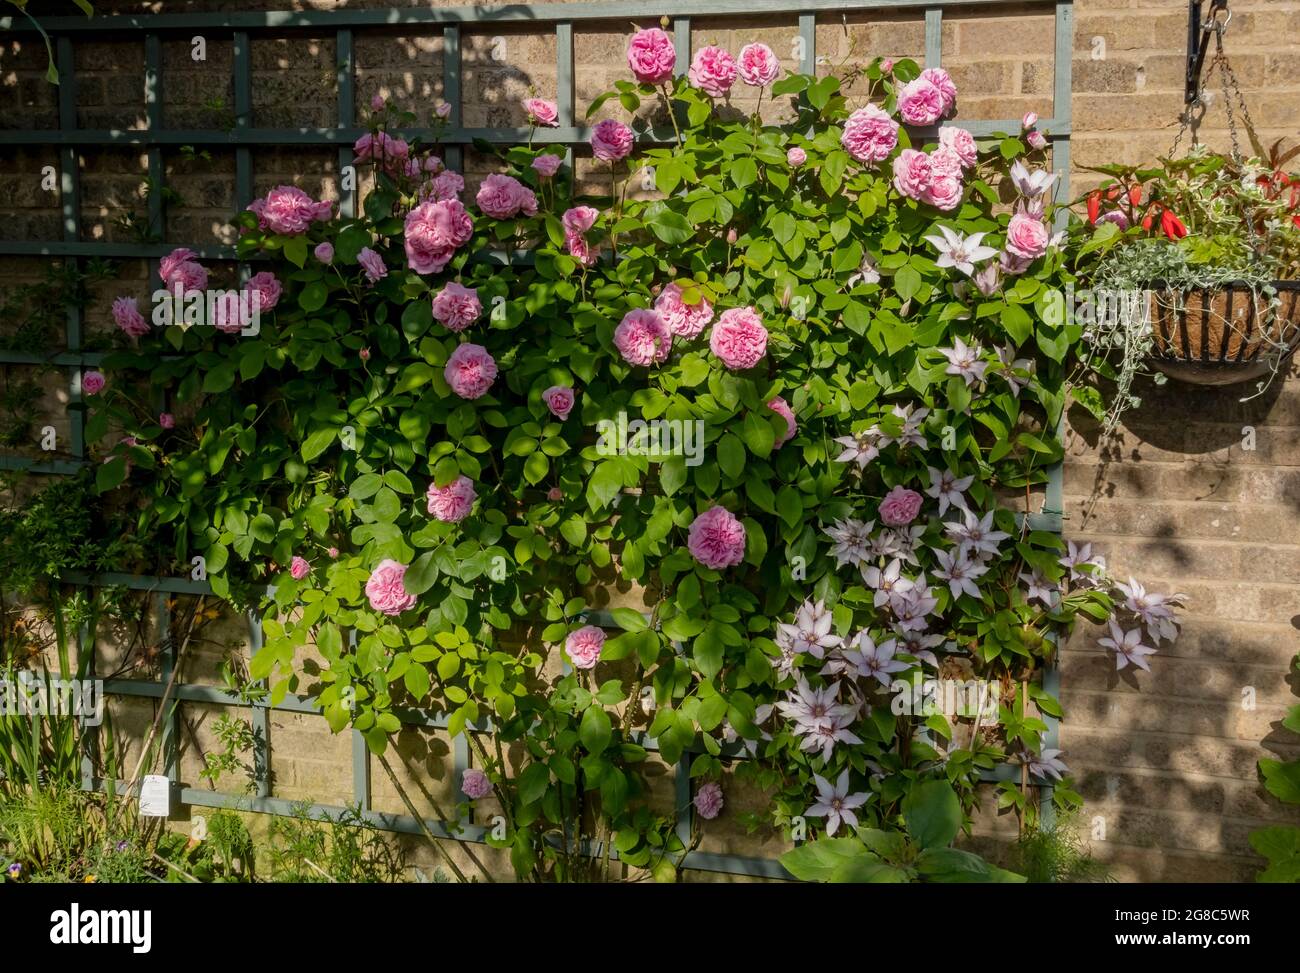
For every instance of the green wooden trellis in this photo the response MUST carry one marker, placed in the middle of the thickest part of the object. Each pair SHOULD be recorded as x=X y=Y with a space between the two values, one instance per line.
x=245 y=136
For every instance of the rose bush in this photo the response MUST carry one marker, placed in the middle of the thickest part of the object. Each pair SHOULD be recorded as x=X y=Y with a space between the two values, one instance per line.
x=852 y=314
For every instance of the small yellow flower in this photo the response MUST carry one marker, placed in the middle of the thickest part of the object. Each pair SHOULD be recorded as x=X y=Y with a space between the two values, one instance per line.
x=88 y=879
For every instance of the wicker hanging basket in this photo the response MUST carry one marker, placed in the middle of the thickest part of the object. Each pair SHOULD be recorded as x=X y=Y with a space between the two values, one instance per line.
x=1224 y=335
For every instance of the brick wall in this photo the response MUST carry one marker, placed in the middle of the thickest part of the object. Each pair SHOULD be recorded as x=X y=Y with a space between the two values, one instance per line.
x=1165 y=760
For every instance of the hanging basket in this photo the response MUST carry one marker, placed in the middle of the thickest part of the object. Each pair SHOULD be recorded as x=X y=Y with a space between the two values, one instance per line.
x=1223 y=335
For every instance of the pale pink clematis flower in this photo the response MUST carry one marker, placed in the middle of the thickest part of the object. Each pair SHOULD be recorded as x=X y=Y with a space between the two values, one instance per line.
x=965 y=361
x=962 y=252
x=912 y=607
x=859 y=448
x=959 y=572
x=1128 y=647
x=1155 y=611
x=852 y=539
x=1031 y=184
x=1044 y=765
x=1039 y=588
x=867 y=660
x=811 y=632
x=1078 y=557
x=948 y=488
x=976 y=535
x=885 y=581
x=1016 y=371
x=836 y=804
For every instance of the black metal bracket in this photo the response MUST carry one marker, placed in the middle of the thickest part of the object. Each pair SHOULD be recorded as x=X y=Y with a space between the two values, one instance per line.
x=1198 y=41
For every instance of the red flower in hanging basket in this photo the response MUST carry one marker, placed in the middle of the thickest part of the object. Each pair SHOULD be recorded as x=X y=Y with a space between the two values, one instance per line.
x=1172 y=226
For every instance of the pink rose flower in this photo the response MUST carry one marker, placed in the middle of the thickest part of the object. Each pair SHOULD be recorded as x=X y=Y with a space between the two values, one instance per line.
x=92 y=383
x=505 y=197
x=542 y=112
x=739 y=338
x=443 y=110
x=264 y=291
x=945 y=162
x=180 y=267
x=475 y=784
x=708 y=800
x=683 y=320
x=1027 y=237
x=377 y=102
x=385 y=590
x=920 y=103
x=642 y=338
x=333 y=552
x=942 y=83
x=433 y=232
x=470 y=371
x=579 y=219
x=887 y=65
x=382 y=147
x=796 y=157
x=555 y=494
x=324 y=252
x=961 y=142
x=584 y=645
x=580 y=249
x=945 y=193
x=547 y=166
x=611 y=140
x=444 y=186
x=869 y=134
x=166 y=420
x=900 y=507
x=457 y=307
x=758 y=65
x=289 y=211
x=1029 y=120
x=127 y=316
x=451 y=504
x=373 y=264
x=1037 y=140
x=779 y=406
x=299 y=568
x=559 y=399
x=912 y=173
x=713 y=71
x=716 y=538
x=232 y=311
x=651 y=56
